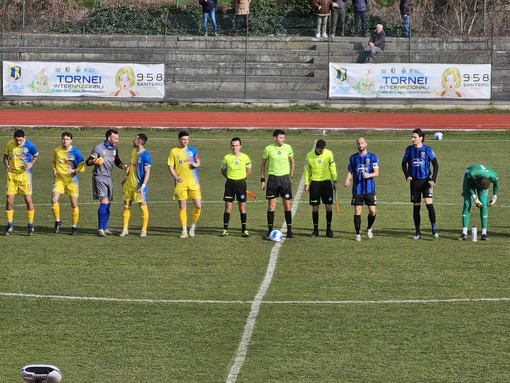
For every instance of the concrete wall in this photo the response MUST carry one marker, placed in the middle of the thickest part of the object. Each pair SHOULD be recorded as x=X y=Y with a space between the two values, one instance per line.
x=231 y=69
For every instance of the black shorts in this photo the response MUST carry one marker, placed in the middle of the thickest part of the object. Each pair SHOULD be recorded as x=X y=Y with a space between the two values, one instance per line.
x=235 y=190
x=420 y=188
x=367 y=199
x=279 y=186
x=321 y=190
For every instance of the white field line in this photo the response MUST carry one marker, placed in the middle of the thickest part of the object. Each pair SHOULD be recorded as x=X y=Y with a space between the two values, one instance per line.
x=242 y=349
x=240 y=302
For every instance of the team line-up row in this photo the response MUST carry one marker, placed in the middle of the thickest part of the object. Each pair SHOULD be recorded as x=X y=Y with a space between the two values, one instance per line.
x=419 y=165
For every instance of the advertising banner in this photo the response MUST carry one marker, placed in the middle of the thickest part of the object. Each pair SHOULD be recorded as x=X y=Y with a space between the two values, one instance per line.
x=83 y=79
x=400 y=80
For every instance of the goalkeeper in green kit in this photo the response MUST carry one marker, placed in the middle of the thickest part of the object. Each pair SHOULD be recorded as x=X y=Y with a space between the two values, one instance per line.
x=475 y=189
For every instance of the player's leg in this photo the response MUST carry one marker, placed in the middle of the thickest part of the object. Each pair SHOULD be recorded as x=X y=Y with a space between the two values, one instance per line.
x=358 y=206
x=197 y=210
x=9 y=213
x=314 y=201
x=466 y=214
x=271 y=194
x=183 y=218
x=327 y=200
x=55 y=209
x=75 y=213
x=126 y=213
x=483 y=195
x=30 y=213
x=371 y=203
x=416 y=200
x=226 y=217
x=145 y=218
x=228 y=197
x=286 y=194
x=244 y=218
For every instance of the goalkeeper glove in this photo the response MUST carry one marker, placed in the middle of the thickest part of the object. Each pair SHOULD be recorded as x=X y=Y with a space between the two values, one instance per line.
x=492 y=202
x=98 y=161
x=477 y=202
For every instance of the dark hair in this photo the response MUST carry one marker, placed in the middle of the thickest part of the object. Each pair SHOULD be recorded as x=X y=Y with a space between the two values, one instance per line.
x=19 y=133
x=236 y=139
x=420 y=133
x=183 y=133
x=277 y=132
x=109 y=132
x=485 y=183
x=142 y=137
x=320 y=144
x=67 y=134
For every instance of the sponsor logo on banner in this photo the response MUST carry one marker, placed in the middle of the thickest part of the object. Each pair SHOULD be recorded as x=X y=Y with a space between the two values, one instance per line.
x=410 y=81
x=83 y=79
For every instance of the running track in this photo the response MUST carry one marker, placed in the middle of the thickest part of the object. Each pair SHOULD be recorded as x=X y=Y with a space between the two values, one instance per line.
x=255 y=120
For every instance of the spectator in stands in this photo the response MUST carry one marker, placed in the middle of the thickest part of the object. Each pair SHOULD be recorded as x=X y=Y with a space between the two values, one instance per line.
x=376 y=42
x=209 y=10
x=242 y=10
x=323 y=10
x=335 y=13
x=406 y=9
x=360 y=10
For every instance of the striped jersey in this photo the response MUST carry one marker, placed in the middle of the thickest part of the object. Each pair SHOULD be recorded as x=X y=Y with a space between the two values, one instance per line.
x=236 y=166
x=137 y=168
x=359 y=164
x=417 y=161
x=320 y=167
x=19 y=156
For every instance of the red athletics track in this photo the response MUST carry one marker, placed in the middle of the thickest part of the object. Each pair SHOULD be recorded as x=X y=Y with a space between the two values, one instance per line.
x=267 y=120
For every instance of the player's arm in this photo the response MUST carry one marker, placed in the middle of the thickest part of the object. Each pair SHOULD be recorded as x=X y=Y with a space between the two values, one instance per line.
x=263 y=173
x=406 y=172
x=6 y=162
x=375 y=172
x=248 y=169
x=292 y=165
x=146 y=177
x=435 y=166
x=348 y=179
x=223 y=170
x=174 y=174
x=196 y=161
x=332 y=171
x=307 y=175
x=29 y=165
x=94 y=159
x=119 y=163
x=80 y=168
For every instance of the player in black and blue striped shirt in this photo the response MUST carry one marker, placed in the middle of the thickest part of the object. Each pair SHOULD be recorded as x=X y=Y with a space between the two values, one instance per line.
x=417 y=170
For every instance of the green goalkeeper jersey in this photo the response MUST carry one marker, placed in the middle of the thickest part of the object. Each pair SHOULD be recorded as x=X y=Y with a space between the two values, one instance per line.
x=473 y=178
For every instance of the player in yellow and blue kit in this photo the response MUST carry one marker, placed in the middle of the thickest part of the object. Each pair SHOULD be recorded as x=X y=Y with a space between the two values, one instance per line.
x=235 y=167
x=183 y=163
x=67 y=162
x=135 y=185
x=320 y=181
x=20 y=155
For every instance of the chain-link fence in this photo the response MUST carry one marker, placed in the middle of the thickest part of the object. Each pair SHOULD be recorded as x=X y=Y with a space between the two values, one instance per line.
x=438 y=18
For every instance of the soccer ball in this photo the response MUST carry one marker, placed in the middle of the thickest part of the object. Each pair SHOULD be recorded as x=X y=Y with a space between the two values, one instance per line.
x=276 y=236
x=438 y=136
x=41 y=373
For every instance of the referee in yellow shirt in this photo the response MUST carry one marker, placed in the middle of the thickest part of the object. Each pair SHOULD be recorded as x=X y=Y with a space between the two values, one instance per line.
x=320 y=181
x=235 y=167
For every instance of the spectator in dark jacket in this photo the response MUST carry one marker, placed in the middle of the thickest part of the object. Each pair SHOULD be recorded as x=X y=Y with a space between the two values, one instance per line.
x=337 y=12
x=323 y=10
x=360 y=10
x=209 y=10
x=406 y=10
x=376 y=42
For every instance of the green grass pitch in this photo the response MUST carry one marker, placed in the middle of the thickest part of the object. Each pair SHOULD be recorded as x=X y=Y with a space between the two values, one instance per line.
x=164 y=309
